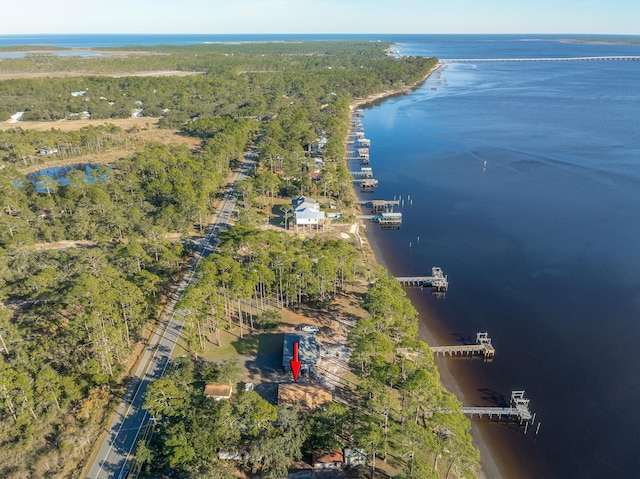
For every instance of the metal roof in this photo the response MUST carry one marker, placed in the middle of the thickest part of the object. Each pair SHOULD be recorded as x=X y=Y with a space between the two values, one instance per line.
x=308 y=350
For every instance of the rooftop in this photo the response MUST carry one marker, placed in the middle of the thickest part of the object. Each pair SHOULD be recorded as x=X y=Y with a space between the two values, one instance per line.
x=328 y=457
x=218 y=390
x=308 y=350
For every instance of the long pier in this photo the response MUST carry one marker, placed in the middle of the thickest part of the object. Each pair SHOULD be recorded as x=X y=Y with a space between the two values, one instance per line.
x=543 y=59
x=518 y=408
x=482 y=347
x=438 y=280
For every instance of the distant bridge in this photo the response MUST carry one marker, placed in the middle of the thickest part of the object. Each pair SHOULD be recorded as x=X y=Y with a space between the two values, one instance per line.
x=544 y=59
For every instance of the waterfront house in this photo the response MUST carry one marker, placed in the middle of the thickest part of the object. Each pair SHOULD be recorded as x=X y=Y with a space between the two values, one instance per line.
x=306 y=212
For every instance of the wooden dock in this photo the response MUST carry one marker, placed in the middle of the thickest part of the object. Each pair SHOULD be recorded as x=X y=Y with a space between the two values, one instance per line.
x=438 y=280
x=518 y=409
x=365 y=172
x=482 y=347
x=367 y=185
x=385 y=220
x=363 y=155
x=378 y=206
x=389 y=221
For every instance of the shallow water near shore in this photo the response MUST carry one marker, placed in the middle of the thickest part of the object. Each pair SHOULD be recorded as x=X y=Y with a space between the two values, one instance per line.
x=541 y=244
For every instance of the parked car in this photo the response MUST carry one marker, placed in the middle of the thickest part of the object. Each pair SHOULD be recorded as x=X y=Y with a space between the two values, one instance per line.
x=308 y=328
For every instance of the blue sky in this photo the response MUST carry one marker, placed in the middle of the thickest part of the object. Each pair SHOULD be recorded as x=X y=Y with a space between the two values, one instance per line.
x=320 y=16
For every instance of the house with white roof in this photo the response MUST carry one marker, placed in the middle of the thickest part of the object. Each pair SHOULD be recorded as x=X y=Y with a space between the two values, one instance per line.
x=306 y=212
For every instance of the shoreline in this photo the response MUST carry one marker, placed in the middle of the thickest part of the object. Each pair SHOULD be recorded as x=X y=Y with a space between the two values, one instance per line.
x=360 y=102
x=488 y=464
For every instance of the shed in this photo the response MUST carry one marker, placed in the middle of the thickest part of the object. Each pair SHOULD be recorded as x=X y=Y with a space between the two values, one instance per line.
x=354 y=457
x=218 y=391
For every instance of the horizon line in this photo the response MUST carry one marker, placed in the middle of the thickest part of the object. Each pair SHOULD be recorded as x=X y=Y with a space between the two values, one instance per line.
x=318 y=33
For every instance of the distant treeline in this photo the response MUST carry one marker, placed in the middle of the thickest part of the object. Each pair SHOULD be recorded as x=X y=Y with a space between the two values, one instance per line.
x=238 y=80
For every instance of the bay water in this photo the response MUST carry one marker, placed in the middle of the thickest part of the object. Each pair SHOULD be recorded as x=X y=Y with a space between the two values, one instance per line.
x=522 y=181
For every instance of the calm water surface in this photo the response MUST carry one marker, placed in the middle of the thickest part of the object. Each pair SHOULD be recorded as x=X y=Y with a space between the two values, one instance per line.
x=541 y=244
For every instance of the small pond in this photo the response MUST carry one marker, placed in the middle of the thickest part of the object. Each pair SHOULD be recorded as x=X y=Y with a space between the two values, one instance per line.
x=59 y=173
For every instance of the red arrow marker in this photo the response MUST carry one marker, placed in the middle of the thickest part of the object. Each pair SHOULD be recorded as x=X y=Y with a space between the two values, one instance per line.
x=295 y=362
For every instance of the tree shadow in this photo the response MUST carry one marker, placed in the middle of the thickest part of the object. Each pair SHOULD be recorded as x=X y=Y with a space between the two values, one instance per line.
x=463 y=338
x=326 y=314
x=495 y=398
x=268 y=392
x=263 y=354
x=247 y=345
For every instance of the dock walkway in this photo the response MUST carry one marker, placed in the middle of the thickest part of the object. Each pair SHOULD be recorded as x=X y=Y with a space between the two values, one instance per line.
x=363 y=173
x=518 y=408
x=437 y=280
x=386 y=220
x=380 y=205
x=482 y=347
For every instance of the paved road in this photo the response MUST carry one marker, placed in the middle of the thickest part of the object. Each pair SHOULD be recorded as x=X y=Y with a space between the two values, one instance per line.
x=111 y=460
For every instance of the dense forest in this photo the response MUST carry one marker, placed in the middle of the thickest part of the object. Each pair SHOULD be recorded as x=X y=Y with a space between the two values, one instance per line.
x=73 y=316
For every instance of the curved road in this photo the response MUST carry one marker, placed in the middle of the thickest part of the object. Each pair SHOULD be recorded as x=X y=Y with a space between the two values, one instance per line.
x=111 y=460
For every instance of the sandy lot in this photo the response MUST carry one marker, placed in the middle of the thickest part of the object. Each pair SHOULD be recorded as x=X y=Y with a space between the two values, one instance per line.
x=70 y=125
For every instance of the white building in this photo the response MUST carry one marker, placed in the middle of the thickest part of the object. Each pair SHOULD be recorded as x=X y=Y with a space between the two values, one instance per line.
x=306 y=212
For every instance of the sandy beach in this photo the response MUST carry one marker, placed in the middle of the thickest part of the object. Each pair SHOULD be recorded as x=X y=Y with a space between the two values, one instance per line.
x=488 y=464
